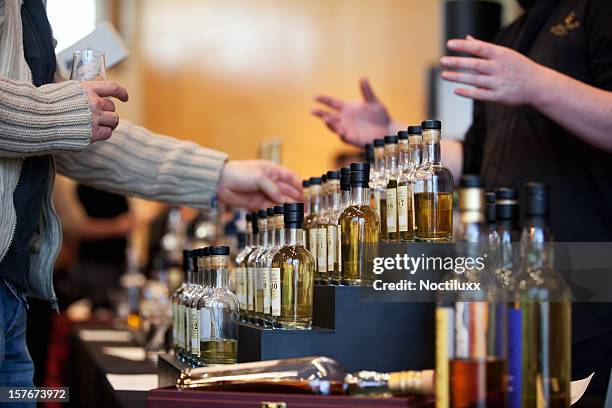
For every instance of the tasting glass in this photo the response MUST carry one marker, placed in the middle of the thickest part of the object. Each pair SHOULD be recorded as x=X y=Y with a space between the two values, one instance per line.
x=88 y=65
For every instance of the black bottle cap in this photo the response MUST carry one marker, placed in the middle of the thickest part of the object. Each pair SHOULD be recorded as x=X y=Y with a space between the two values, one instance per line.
x=262 y=214
x=369 y=153
x=278 y=210
x=305 y=183
x=505 y=193
x=470 y=181
x=205 y=251
x=186 y=258
x=254 y=224
x=414 y=130
x=490 y=207
x=507 y=204
x=431 y=124
x=390 y=139
x=345 y=179
x=219 y=250
x=402 y=135
x=379 y=143
x=323 y=178
x=270 y=212
x=536 y=199
x=315 y=181
x=294 y=215
x=248 y=217
x=333 y=175
x=360 y=174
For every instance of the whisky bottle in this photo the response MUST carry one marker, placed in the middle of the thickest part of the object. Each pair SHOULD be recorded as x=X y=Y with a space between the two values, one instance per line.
x=262 y=304
x=470 y=322
x=433 y=195
x=405 y=186
x=360 y=227
x=543 y=312
x=328 y=229
x=389 y=231
x=292 y=275
x=321 y=276
x=184 y=312
x=219 y=320
x=193 y=306
x=278 y=240
x=200 y=332
x=240 y=270
x=178 y=330
x=334 y=231
x=377 y=183
x=306 y=188
x=310 y=375
x=249 y=265
x=506 y=234
x=402 y=146
x=310 y=222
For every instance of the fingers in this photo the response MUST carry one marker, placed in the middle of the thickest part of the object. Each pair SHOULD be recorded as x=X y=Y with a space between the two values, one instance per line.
x=481 y=81
x=107 y=105
x=331 y=119
x=270 y=189
x=109 y=88
x=478 y=94
x=110 y=119
x=101 y=133
x=472 y=64
x=473 y=46
x=366 y=90
x=333 y=103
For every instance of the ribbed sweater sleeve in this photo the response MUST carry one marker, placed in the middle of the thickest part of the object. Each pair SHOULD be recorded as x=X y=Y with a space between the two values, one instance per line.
x=135 y=161
x=48 y=119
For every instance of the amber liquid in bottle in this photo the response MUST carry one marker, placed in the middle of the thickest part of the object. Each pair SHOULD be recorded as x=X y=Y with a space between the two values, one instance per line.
x=219 y=351
x=467 y=378
x=434 y=217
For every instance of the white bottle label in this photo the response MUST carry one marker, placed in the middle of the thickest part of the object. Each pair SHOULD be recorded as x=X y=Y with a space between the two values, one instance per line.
x=250 y=287
x=205 y=324
x=322 y=249
x=402 y=208
x=391 y=210
x=339 y=248
x=195 y=332
x=275 y=286
x=187 y=328
x=331 y=246
x=312 y=242
x=266 y=290
x=180 y=331
x=174 y=323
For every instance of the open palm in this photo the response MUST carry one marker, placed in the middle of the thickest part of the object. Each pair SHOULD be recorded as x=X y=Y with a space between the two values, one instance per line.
x=357 y=122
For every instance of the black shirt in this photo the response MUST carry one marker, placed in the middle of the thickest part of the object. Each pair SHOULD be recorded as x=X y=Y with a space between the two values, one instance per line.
x=34 y=177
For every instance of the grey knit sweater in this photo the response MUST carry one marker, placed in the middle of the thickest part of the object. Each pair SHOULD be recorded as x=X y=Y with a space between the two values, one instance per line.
x=55 y=119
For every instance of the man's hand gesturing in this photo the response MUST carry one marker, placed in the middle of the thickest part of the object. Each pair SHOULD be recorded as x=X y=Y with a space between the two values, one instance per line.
x=104 y=118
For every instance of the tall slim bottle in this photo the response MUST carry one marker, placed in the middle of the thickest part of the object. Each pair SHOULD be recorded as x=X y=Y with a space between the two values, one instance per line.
x=434 y=186
x=377 y=183
x=194 y=310
x=278 y=242
x=249 y=265
x=321 y=275
x=402 y=155
x=306 y=188
x=544 y=310
x=405 y=186
x=203 y=312
x=470 y=322
x=241 y=278
x=389 y=230
x=178 y=330
x=262 y=305
x=292 y=275
x=334 y=229
x=360 y=231
x=327 y=223
x=310 y=222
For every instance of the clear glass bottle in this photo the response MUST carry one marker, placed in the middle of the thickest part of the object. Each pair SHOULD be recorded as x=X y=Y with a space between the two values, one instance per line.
x=506 y=234
x=470 y=322
x=328 y=229
x=292 y=275
x=377 y=180
x=200 y=305
x=240 y=271
x=310 y=222
x=321 y=275
x=389 y=232
x=310 y=375
x=186 y=299
x=433 y=195
x=193 y=306
x=221 y=311
x=262 y=305
x=278 y=241
x=402 y=155
x=259 y=225
x=405 y=185
x=306 y=188
x=360 y=228
x=178 y=330
x=368 y=155
x=542 y=315
x=334 y=230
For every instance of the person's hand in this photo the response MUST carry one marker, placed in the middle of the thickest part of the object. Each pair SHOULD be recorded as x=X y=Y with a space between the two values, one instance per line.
x=103 y=115
x=357 y=122
x=257 y=184
x=499 y=74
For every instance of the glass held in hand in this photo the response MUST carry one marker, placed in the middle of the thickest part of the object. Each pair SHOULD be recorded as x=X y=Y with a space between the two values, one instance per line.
x=88 y=65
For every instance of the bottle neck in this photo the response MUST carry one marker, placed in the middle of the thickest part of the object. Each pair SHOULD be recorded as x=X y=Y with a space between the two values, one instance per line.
x=221 y=278
x=294 y=236
x=345 y=197
x=360 y=195
x=379 y=160
x=264 y=237
x=391 y=159
x=534 y=238
x=334 y=195
x=256 y=239
x=279 y=231
x=271 y=234
x=315 y=200
x=432 y=150
x=415 y=155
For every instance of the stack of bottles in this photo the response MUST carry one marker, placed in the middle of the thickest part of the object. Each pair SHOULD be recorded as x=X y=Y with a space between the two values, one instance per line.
x=205 y=311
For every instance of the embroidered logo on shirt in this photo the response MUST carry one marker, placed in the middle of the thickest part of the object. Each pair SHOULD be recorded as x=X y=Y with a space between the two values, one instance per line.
x=569 y=23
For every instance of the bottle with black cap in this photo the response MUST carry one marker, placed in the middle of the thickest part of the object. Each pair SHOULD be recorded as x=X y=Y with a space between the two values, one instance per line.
x=321 y=226
x=388 y=224
x=377 y=183
x=470 y=314
x=310 y=222
x=306 y=188
x=360 y=226
x=178 y=329
x=433 y=190
x=200 y=305
x=508 y=233
x=543 y=310
x=326 y=236
x=240 y=270
x=334 y=232
x=403 y=146
x=260 y=217
x=277 y=242
x=405 y=186
x=292 y=275
x=262 y=305
x=184 y=300
x=201 y=288
x=220 y=322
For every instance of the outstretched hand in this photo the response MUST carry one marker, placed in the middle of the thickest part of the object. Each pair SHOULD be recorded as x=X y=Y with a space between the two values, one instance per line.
x=357 y=122
x=256 y=184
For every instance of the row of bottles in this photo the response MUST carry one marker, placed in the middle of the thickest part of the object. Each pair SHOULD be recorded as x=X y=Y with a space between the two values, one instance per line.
x=508 y=342
x=411 y=190
x=205 y=312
